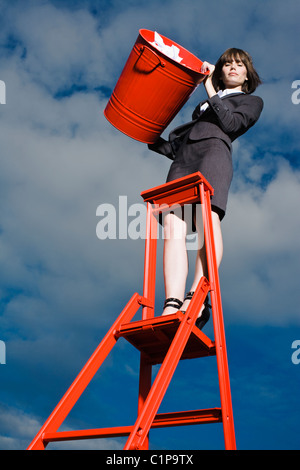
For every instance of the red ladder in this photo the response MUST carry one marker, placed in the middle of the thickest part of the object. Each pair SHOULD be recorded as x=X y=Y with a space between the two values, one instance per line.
x=161 y=340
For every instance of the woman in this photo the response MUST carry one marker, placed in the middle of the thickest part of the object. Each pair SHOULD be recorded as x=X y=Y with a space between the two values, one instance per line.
x=204 y=145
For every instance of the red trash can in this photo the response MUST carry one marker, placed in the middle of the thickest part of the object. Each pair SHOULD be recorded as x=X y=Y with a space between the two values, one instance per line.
x=152 y=88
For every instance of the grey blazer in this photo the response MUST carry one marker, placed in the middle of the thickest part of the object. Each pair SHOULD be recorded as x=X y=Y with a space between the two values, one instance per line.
x=225 y=118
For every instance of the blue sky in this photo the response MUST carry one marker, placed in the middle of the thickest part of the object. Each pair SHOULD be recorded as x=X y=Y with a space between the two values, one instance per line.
x=61 y=287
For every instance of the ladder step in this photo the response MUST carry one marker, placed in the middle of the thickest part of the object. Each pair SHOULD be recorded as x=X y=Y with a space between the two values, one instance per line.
x=182 y=418
x=154 y=336
x=178 y=418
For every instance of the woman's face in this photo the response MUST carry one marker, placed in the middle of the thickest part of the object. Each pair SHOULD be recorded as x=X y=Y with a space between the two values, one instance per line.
x=234 y=74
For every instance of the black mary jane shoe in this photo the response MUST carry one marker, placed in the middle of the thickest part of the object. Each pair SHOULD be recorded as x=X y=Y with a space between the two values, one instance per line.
x=205 y=316
x=173 y=302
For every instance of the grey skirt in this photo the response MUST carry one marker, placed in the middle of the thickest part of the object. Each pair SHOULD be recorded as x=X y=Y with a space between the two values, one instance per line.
x=212 y=157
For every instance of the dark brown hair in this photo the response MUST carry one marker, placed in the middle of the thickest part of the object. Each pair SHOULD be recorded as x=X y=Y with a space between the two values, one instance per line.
x=239 y=55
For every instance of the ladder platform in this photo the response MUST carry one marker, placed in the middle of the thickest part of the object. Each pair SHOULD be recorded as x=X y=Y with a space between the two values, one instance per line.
x=154 y=336
x=181 y=191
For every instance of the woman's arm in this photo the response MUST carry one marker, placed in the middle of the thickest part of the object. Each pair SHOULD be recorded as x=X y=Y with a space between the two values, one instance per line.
x=239 y=119
x=207 y=67
x=163 y=147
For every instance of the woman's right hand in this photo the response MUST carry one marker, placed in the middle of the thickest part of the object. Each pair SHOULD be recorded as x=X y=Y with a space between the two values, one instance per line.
x=207 y=67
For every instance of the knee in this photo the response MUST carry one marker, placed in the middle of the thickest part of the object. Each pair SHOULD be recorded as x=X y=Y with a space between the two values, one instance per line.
x=174 y=227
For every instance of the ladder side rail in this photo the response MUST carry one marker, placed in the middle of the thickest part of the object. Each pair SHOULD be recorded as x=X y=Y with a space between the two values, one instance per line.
x=150 y=263
x=145 y=376
x=218 y=323
x=85 y=376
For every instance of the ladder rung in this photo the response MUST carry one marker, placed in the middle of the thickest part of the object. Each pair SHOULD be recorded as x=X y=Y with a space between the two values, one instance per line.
x=178 y=418
x=87 y=434
x=182 y=418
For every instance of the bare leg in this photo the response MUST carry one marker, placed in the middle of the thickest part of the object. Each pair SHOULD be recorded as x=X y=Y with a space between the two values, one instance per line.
x=175 y=259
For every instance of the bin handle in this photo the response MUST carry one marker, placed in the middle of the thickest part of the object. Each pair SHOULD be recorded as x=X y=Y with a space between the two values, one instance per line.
x=161 y=63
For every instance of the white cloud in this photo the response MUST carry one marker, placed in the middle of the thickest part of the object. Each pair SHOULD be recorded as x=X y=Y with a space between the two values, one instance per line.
x=18 y=430
x=49 y=35
x=60 y=158
x=262 y=252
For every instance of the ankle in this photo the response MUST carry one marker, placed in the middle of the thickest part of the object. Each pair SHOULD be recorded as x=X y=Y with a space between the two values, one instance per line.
x=169 y=310
x=171 y=305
